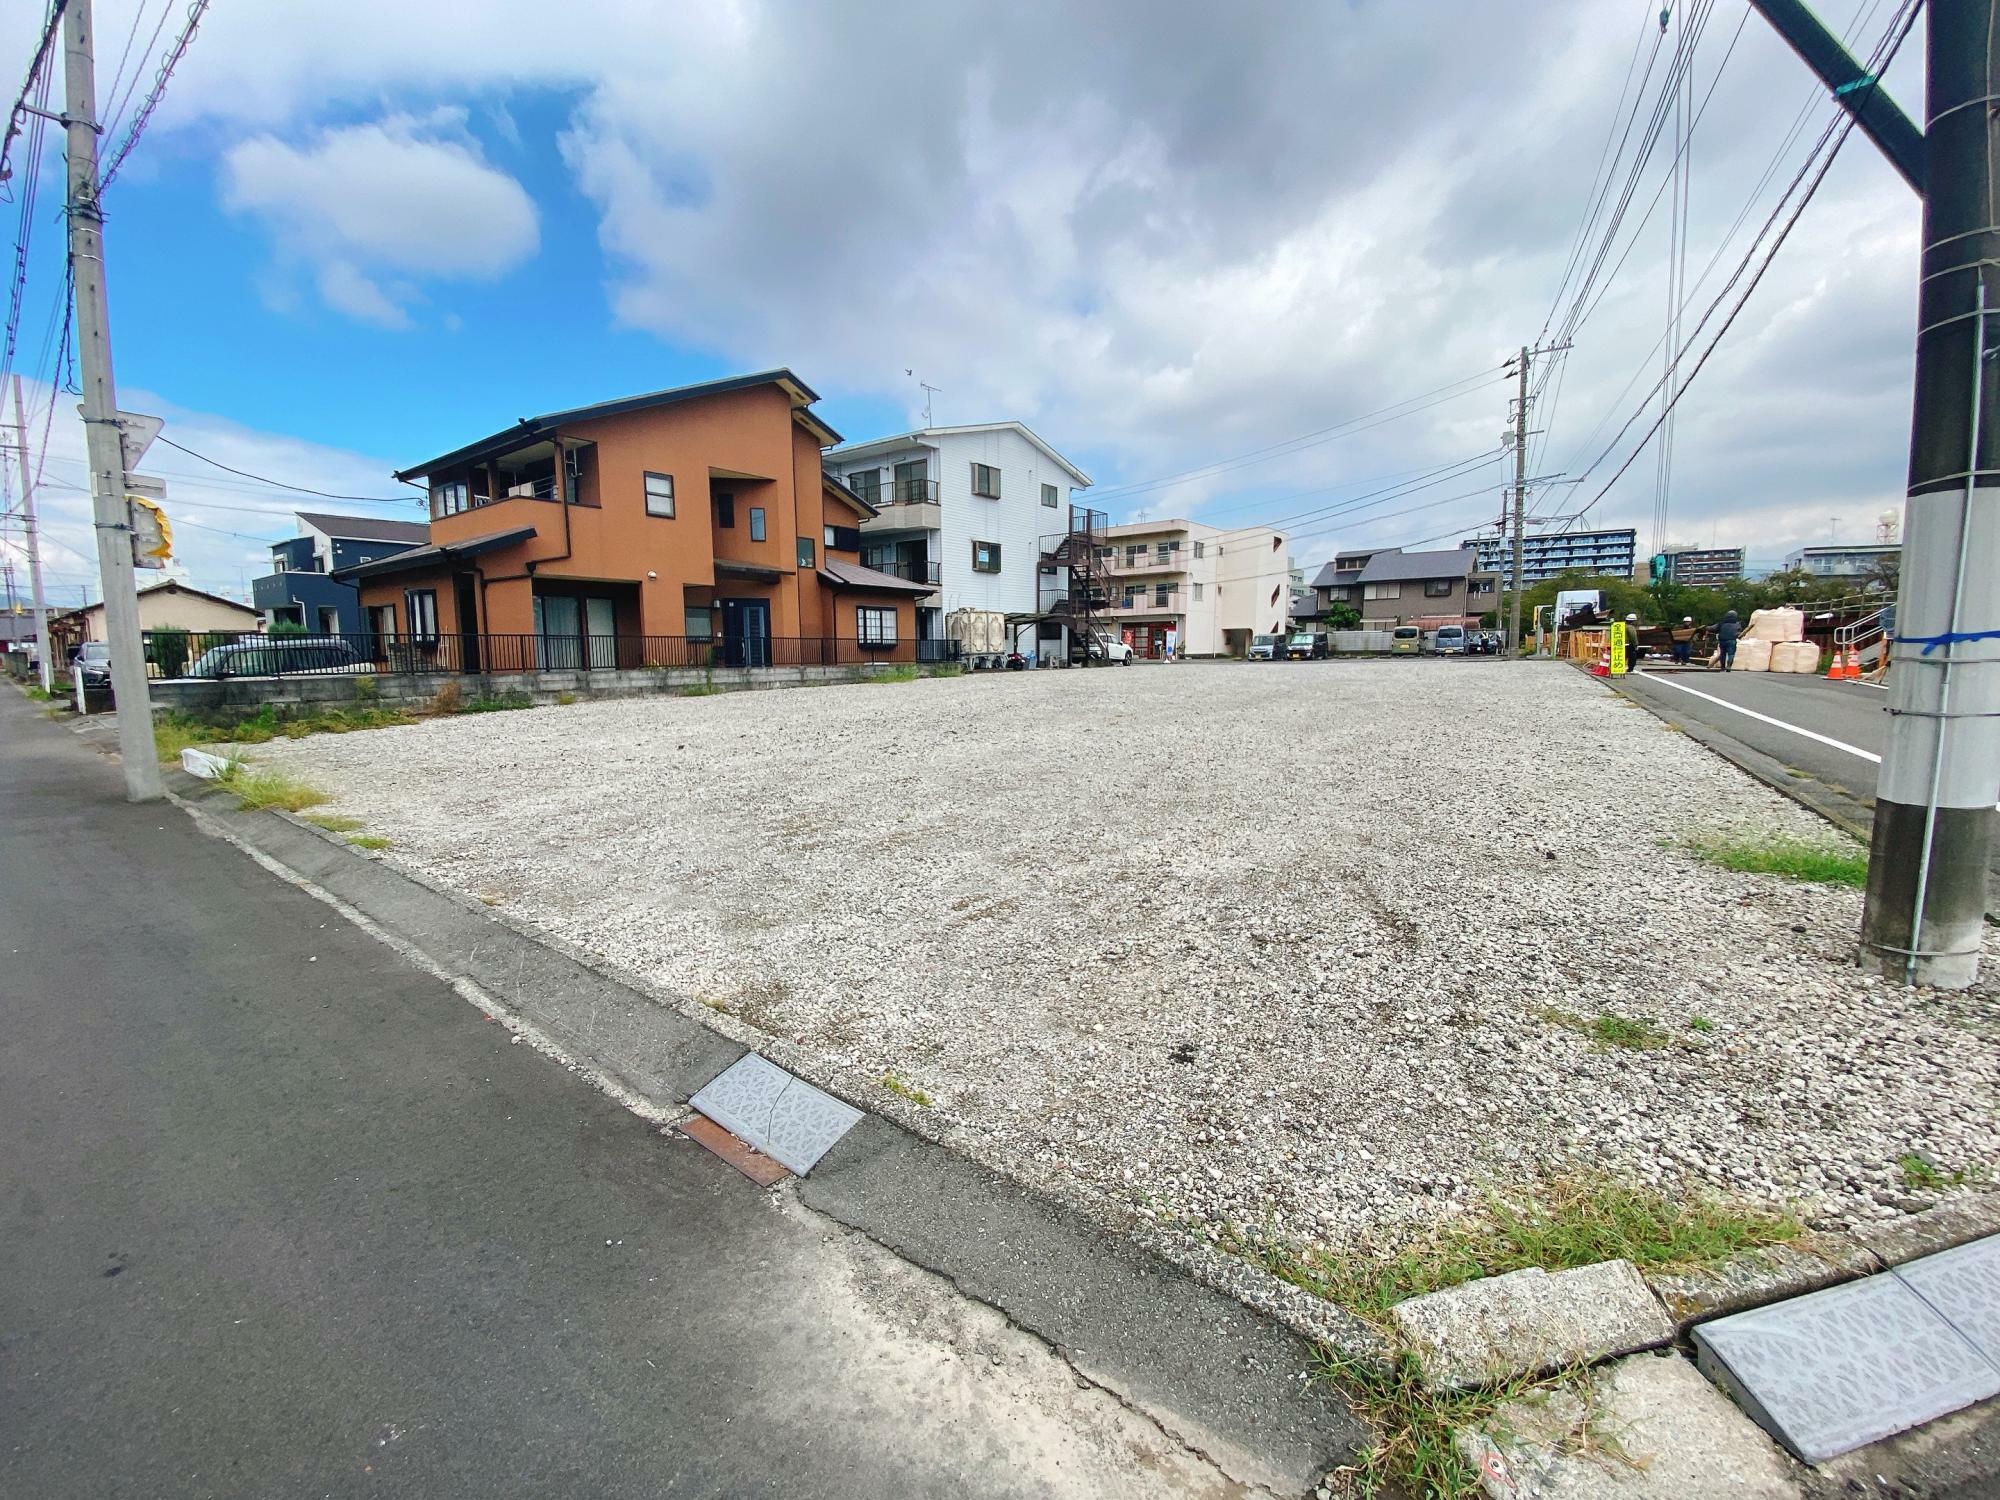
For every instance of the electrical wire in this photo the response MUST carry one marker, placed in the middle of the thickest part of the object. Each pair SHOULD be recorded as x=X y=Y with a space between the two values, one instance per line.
x=280 y=484
x=109 y=171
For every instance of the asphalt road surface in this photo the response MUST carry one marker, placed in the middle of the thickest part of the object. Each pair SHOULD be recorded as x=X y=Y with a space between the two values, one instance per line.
x=282 y=1215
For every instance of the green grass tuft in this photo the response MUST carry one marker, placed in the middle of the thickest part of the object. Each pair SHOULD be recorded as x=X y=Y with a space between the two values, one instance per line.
x=333 y=822
x=176 y=730
x=503 y=703
x=369 y=841
x=1700 y=1023
x=1609 y=1029
x=1792 y=859
x=260 y=788
x=892 y=674
x=896 y=1086
x=1922 y=1175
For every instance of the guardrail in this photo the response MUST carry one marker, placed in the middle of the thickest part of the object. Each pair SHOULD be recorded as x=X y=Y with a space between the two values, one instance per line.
x=220 y=655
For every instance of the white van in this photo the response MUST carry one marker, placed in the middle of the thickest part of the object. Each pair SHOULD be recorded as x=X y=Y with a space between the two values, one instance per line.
x=1449 y=640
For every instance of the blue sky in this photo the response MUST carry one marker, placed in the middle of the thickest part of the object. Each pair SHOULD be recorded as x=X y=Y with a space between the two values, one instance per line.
x=360 y=233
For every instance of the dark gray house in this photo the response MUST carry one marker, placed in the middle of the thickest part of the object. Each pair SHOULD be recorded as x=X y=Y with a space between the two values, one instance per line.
x=299 y=591
x=1391 y=587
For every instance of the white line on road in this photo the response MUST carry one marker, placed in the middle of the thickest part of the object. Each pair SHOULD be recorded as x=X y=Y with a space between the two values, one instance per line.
x=1751 y=713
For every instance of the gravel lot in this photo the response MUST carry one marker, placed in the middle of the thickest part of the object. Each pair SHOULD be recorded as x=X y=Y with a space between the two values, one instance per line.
x=1270 y=944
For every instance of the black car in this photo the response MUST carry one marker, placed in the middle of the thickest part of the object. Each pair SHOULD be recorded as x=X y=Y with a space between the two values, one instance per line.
x=92 y=664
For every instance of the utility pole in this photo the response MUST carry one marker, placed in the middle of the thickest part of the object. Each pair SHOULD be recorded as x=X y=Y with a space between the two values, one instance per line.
x=103 y=438
x=1934 y=813
x=34 y=544
x=1520 y=500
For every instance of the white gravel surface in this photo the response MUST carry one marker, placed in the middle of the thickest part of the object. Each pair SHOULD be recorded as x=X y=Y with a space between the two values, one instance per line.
x=1264 y=944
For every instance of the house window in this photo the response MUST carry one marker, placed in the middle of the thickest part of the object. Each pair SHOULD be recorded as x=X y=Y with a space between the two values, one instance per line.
x=874 y=627
x=382 y=620
x=1437 y=588
x=756 y=523
x=805 y=552
x=697 y=623
x=421 y=606
x=1164 y=551
x=986 y=481
x=913 y=486
x=1373 y=591
x=1161 y=594
x=1197 y=593
x=867 y=483
x=1135 y=553
x=1049 y=497
x=725 y=512
x=660 y=495
x=985 y=557
x=1200 y=548
x=447 y=499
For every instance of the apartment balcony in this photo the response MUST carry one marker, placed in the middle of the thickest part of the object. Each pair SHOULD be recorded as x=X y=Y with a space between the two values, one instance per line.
x=1150 y=603
x=1150 y=565
x=918 y=571
x=904 y=505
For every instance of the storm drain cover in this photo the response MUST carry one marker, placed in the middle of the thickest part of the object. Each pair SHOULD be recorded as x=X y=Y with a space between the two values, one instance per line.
x=784 y=1117
x=1834 y=1370
x=1963 y=1286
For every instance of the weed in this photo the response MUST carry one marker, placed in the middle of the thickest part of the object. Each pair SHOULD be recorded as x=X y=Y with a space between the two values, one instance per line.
x=369 y=841
x=700 y=690
x=948 y=669
x=1793 y=859
x=36 y=691
x=267 y=788
x=501 y=704
x=1922 y=1175
x=1556 y=1225
x=175 y=730
x=366 y=689
x=1609 y=1029
x=1700 y=1023
x=565 y=699
x=446 y=700
x=333 y=822
x=904 y=673
x=896 y=1086
x=1415 y=1451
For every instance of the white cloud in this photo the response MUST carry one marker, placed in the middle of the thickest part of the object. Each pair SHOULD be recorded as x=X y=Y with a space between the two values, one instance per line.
x=404 y=195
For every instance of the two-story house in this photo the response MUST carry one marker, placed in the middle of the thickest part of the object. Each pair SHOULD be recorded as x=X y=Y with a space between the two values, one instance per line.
x=1212 y=589
x=687 y=526
x=1391 y=587
x=962 y=510
x=300 y=589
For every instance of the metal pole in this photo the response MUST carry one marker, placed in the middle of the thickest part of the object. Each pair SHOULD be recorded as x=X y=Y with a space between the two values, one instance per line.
x=102 y=438
x=34 y=545
x=1520 y=501
x=1934 y=812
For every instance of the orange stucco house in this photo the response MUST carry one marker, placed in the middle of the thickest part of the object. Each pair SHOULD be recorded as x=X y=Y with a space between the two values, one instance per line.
x=692 y=526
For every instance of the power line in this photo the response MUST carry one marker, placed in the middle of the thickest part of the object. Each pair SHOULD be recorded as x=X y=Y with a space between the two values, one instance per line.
x=153 y=96
x=43 y=48
x=280 y=484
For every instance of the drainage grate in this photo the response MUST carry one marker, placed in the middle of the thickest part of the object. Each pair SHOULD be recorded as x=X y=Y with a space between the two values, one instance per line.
x=1840 y=1368
x=782 y=1116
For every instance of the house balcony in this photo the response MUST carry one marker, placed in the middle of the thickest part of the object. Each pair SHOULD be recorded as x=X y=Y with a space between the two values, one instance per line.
x=1151 y=565
x=917 y=571
x=905 y=505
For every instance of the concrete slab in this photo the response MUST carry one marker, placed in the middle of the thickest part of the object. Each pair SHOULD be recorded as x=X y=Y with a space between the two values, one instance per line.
x=784 y=1117
x=1646 y=1428
x=1829 y=1372
x=1957 y=1221
x=1530 y=1323
x=1963 y=1287
x=1756 y=1277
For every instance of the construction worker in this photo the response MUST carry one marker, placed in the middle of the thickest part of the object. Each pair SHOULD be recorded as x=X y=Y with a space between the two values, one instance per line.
x=1631 y=643
x=1683 y=637
x=1725 y=640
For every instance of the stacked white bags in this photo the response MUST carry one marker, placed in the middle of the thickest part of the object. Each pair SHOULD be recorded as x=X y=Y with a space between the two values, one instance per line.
x=1794 y=656
x=1753 y=653
x=1781 y=624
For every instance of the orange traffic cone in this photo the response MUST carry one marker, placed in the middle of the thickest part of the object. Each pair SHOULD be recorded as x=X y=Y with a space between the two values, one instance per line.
x=1853 y=663
x=1836 y=669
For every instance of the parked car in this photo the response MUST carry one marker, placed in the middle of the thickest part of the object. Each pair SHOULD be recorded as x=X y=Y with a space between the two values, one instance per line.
x=1406 y=640
x=1103 y=646
x=91 y=664
x=1449 y=640
x=1266 y=647
x=317 y=656
x=1305 y=646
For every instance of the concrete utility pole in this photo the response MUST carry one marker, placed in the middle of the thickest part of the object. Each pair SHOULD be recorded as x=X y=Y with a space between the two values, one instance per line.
x=1934 y=812
x=34 y=544
x=1520 y=500
x=103 y=440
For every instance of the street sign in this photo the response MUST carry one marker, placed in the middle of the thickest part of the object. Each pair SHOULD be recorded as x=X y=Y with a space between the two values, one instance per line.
x=152 y=537
x=136 y=432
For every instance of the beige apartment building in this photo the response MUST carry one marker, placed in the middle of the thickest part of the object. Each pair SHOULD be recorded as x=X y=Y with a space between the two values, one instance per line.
x=1207 y=589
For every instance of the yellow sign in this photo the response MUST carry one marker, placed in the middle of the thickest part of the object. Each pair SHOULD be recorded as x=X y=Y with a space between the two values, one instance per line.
x=152 y=537
x=1617 y=663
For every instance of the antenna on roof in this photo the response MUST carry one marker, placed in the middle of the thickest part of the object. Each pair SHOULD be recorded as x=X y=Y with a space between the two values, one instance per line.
x=929 y=391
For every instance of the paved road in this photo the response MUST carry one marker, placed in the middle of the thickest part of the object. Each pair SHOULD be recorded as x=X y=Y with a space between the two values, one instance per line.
x=1809 y=712
x=281 y=1215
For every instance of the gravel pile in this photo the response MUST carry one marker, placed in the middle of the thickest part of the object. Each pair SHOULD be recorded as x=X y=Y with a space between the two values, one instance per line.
x=1302 y=948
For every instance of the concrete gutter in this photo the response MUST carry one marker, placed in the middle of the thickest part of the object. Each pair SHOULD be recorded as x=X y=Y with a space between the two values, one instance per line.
x=1228 y=1381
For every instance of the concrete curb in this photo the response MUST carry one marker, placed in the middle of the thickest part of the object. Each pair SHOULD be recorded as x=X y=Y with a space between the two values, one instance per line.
x=1224 y=1377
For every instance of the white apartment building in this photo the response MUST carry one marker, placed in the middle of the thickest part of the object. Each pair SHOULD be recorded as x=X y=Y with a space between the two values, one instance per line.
x=964 y=509
x=1216 y=588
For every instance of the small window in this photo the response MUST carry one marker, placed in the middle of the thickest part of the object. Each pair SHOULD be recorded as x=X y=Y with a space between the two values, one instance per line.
x=843 y=539
x=422 y=608
x=986 y=481
x=1437 y=588
x=1162 y=594
x=1371 y=592
x=985 y=557
x=805 y=552
x=697 y=623
x=1197 y=593
x=875 y=627
x=447 y=499
x=1049 y=497
x=1200 y=549
x=867 y=483
x=725 y=512
x=827 y=537
x=756 y=523
x=660 y=495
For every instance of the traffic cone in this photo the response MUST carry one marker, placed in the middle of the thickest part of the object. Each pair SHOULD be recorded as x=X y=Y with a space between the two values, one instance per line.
x=1836 y=669
x=1853 y=673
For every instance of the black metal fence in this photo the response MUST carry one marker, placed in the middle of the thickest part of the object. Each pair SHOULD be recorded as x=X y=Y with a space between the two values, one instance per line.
x=227 y=654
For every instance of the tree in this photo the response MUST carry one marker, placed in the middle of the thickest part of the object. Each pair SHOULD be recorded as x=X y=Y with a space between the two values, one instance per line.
x=167 y=649
x=1340 y=616
x=285 y=629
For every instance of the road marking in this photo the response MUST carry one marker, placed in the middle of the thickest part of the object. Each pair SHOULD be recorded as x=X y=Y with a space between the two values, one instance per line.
x=1751 y=713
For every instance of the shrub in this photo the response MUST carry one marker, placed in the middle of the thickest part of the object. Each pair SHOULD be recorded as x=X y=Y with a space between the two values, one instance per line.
x=167 y=649
x=447 y=700
x=282 y=630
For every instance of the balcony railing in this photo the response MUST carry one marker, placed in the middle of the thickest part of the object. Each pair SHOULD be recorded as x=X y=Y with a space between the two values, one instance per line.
x=229 y=655
x=919 y=571
x=1147 y=562
x=1150 y=602
x=900 y=492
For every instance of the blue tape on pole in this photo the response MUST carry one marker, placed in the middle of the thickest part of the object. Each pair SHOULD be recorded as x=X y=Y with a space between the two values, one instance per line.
x=1930 y=643
x=1864 y=81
